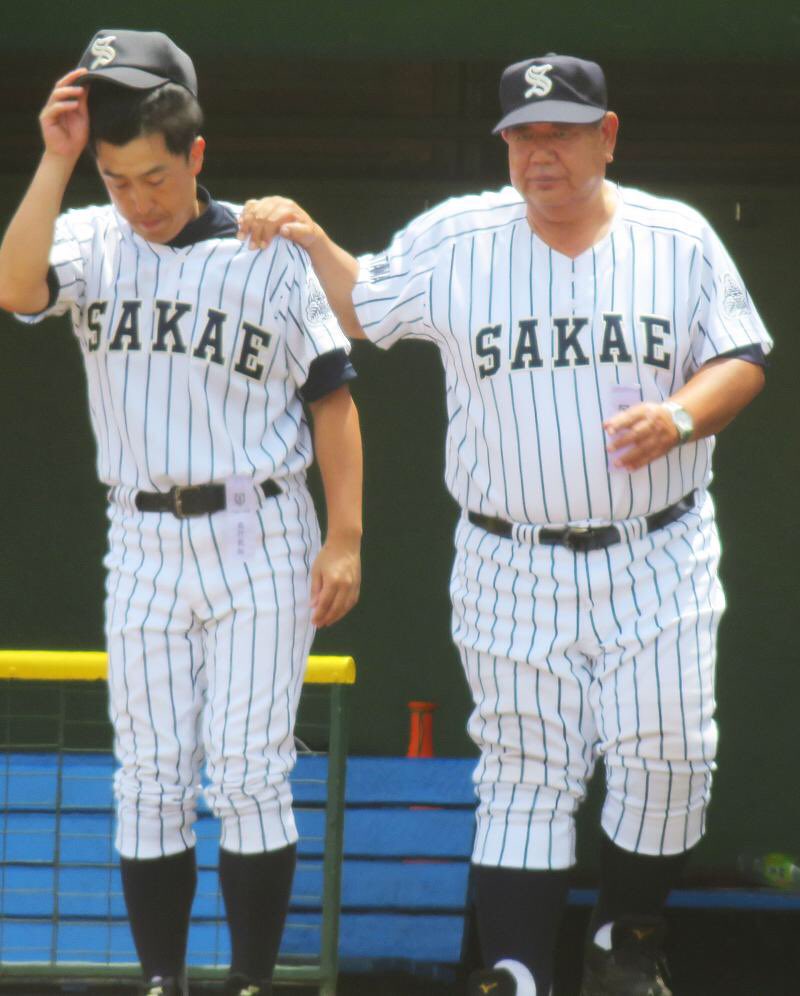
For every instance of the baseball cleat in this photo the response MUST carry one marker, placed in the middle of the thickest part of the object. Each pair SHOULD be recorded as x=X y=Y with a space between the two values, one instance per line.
x=491 y=982
x=634 y=966
x=239 y=985
x=159 y=986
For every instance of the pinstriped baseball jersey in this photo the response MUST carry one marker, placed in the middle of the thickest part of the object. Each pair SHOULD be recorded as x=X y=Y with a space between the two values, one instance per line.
x=194 y=356
x=198 y=356
x=572 y=655
x=533 y=341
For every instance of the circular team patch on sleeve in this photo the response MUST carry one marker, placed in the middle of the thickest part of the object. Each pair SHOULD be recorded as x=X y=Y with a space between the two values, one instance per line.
x=318 y=311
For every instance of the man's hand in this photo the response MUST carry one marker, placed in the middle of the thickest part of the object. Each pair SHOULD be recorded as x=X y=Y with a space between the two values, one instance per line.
x=335 y=580
x=337 y=270
x=25 y=249
x=639 y=435
x=64 y=120
x=261 y=220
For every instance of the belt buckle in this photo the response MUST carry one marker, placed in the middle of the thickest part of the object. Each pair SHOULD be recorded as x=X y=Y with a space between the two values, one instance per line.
x=574 y=536
x=178 y=492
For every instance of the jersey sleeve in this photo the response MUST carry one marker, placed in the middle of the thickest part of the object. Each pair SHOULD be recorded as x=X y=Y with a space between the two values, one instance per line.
x=66 y=276
x=725 y=318
x=317 y=350
x=392 y=293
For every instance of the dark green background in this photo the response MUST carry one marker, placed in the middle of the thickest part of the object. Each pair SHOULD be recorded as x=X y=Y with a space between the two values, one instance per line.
x=366 y=113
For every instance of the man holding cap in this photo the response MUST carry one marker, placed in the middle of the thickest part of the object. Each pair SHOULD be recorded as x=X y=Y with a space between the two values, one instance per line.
x=594 y=339
x=199 y=358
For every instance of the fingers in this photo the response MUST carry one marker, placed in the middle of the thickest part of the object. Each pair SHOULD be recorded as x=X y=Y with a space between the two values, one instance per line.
x=66 y=94
x=65 y=98
x=71 y=76
x=336 y=599
x=339 y=608
x=623 y=420
x=64 y=120
x=639 y=435
x=261 y=220
x=621 y=437
x=634 y=450
x=301 y=232
x=316 y=583
x=53 y=111
x=335 y=587
x=321 y=615
x=634 y=457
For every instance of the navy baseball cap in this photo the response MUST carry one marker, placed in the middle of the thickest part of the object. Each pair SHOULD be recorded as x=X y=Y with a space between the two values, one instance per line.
x=141 y=60
x=552 y=88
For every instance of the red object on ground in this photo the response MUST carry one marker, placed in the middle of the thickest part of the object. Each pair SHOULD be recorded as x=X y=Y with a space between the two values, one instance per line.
x=420 y=736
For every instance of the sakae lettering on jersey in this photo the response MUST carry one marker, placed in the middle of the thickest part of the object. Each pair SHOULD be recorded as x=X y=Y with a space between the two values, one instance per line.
x=531 y=358
x=196 y=356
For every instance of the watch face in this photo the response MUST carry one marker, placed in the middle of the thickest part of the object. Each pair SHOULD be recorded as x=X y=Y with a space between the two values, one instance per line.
x=683 y=422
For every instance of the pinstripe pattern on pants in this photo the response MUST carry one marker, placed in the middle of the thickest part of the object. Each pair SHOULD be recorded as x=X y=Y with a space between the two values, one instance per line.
x=572 y=657
x=206 y=662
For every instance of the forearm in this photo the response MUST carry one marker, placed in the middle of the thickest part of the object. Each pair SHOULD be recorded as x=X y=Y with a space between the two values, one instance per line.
x=25 y=249
x=337 y=445
x=337 y=271
x=718 y=392
x=713 y=397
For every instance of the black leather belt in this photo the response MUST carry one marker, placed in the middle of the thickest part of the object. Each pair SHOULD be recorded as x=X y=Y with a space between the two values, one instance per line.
x=192 y=499
x=582 y=539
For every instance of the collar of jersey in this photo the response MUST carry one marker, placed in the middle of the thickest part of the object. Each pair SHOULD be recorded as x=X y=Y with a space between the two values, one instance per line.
x=215 y=222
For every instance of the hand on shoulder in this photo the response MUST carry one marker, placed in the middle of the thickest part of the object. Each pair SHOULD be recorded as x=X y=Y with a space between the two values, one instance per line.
x=261 y=220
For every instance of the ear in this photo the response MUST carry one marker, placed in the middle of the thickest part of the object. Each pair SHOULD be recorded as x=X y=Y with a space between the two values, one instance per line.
x=504 y=133
x=196 y=155
x=610 y=128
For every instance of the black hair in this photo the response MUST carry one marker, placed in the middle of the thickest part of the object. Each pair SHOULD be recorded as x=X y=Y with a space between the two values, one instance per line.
x=119 y=114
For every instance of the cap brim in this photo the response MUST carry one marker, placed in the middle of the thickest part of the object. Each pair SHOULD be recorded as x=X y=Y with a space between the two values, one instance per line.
x=551 y=110
x=136 y=79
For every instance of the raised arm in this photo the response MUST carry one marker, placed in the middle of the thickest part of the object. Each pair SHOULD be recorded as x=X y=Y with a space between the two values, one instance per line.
x=337 y=270
x=25 y=249
x=336 y=573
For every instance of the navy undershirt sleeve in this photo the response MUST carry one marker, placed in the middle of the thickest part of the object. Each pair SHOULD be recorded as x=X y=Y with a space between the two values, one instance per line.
x=326 y=373
x=53 y=286
x=751 y=354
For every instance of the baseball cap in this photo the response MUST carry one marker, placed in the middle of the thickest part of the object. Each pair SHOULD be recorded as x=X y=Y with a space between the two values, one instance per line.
x=552 y=88
x=141 y=60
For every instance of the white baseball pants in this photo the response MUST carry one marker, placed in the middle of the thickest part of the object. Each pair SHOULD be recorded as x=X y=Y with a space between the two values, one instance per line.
x=572 y=657
x=207 y=653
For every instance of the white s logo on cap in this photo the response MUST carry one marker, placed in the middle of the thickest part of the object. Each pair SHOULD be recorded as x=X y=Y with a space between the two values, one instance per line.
x=103 y=51
x=540 y=84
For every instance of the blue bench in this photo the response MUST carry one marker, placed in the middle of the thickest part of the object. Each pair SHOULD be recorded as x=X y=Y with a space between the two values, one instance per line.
x=407 y=843
x=408 y=840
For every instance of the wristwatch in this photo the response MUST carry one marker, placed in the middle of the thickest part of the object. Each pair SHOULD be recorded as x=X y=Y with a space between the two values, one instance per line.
x=682 y=421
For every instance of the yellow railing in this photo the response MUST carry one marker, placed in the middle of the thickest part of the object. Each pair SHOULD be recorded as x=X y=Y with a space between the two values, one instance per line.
x=88 y=665
x=91 y=665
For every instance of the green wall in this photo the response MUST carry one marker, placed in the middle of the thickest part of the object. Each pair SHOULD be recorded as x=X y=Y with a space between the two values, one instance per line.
x=687 y=30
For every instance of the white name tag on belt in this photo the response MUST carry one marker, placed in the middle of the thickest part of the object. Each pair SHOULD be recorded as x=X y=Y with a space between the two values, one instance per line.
x=242 y=527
